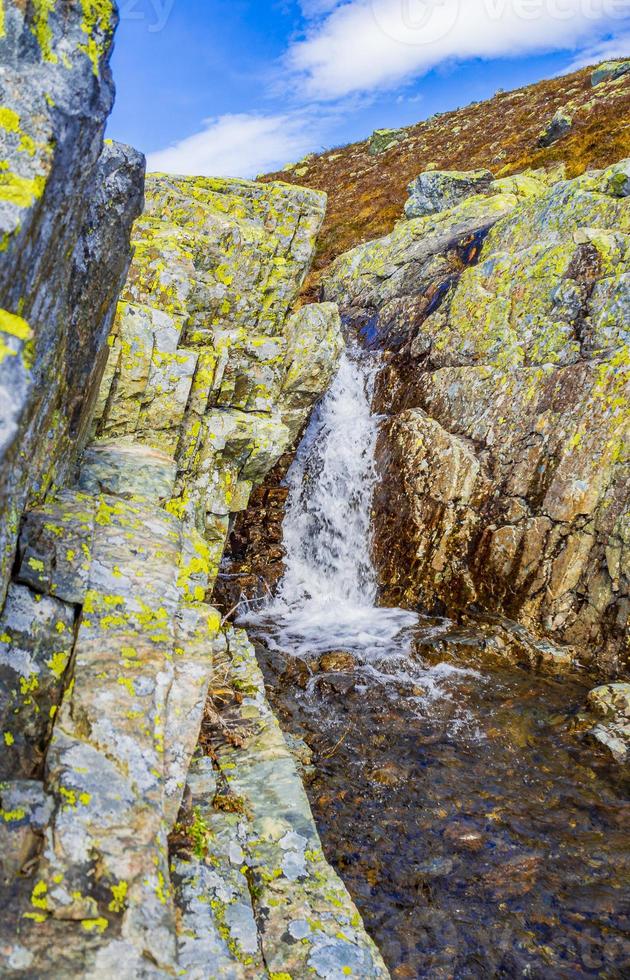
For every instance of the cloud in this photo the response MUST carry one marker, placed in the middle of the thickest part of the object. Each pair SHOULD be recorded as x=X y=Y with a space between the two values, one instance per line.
x=353 y=50
x=606 y=50
x=363 y=45
x=242 y=144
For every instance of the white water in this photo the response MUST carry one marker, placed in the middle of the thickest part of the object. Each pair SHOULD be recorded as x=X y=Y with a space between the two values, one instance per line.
x=327 y=597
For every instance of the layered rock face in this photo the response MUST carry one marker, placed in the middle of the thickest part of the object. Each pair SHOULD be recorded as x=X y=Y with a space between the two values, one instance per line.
x=109 y=645
x=505 y=461
x=66 y=208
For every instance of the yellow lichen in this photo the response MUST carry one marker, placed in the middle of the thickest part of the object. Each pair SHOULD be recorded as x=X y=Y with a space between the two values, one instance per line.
x=22 y=191
x=119 y=893
x=97 y=26
x=95 y=925
x=57 y=663
x=42 y=30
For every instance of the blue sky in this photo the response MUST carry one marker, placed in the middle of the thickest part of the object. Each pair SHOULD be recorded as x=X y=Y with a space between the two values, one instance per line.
x=238 y=87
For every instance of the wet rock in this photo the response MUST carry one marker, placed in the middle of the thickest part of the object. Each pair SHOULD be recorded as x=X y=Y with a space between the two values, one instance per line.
x=608 y=71
x=559 y=126
x=337 y=660
x=440 y=867
x=513 y=877
x=388 y=775
x=303 y=755
x=464 y=837
x=439 y=190
x=611 y=702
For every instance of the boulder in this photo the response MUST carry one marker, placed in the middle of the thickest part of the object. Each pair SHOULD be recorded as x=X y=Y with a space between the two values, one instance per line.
x=611 y=703
x=558 y=127
x=383 y=140
x=438 y=190
x=608 y=71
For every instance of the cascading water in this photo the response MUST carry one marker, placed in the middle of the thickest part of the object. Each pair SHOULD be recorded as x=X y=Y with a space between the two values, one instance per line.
x=327 y=599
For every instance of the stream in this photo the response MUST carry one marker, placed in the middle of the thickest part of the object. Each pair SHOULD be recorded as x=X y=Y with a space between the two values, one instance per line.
x=478 y=834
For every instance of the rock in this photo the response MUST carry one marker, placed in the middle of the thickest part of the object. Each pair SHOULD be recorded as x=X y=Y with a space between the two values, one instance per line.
x=559 y=126
x=608 y=71
x=439 y=190
x=440 y=867
x=314 y=344
x=413 y=257
x=274 y=893
x=389 y=775
x=503 y=461
x=108 y=644
x=464 y=837
x=611 y=702
x=383 y=140
x=337 y=660
x=58 y=289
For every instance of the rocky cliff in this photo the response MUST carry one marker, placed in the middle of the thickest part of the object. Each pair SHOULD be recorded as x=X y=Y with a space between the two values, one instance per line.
x=508 y=134
x=110 y=647
x=66 y=208
x=152 y=820
x=503 y=306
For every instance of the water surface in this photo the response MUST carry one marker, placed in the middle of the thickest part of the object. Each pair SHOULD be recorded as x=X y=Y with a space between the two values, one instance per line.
x=479 y=834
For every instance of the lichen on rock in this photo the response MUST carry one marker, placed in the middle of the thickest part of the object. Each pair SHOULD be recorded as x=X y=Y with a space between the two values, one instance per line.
x=504 y=463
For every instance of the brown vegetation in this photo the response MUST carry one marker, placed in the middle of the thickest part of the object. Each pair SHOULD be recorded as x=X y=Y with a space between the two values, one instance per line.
x=367 y=193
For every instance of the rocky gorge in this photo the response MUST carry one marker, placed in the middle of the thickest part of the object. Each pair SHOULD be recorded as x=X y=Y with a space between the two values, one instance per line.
x=159 y=369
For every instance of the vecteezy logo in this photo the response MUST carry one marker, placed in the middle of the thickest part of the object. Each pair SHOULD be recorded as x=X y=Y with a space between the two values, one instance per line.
x=416 y=21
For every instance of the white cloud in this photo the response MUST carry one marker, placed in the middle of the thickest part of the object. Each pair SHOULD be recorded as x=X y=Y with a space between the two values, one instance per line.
x=607 y=50
x=240 y=144
x=363 y=45
x=353 y=50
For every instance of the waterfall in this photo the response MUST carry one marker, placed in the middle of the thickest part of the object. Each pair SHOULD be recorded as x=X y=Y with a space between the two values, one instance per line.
x=327 y=597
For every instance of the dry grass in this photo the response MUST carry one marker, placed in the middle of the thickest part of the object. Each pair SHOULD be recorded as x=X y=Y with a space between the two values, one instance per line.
x=366 y=194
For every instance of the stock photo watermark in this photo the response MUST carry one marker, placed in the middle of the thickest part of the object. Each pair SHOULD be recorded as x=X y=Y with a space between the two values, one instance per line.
x=154 y=14
x=427 y=21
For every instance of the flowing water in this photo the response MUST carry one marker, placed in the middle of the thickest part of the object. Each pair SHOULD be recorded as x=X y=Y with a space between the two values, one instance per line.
x=478 y=834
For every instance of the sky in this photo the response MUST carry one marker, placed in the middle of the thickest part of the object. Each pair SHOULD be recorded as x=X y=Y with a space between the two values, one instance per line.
x=241 y=87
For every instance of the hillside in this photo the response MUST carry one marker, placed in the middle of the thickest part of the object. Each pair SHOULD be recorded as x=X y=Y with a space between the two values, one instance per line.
x=367 y=193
